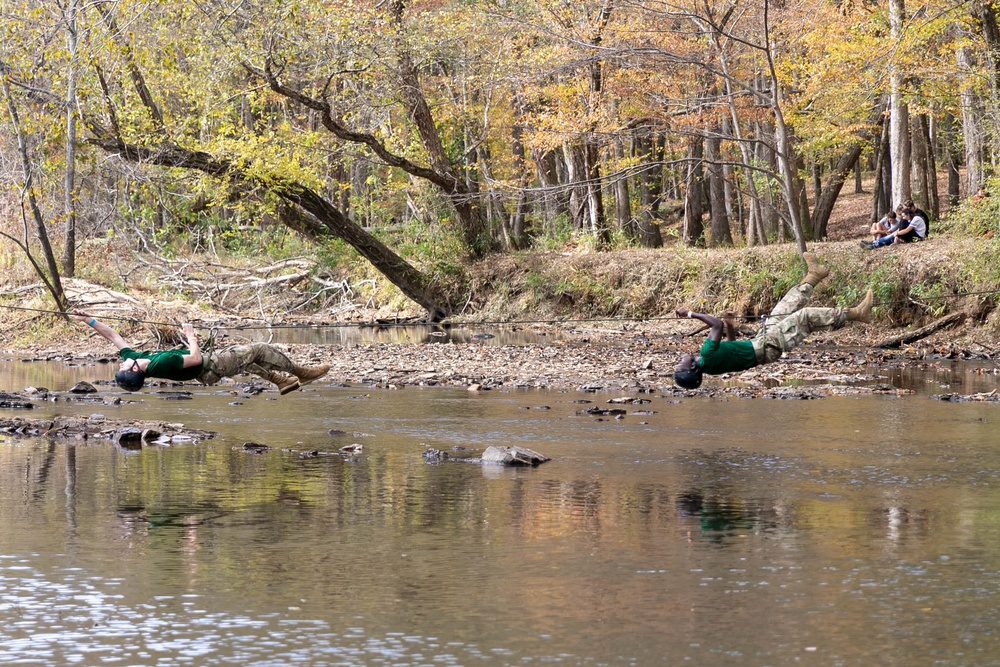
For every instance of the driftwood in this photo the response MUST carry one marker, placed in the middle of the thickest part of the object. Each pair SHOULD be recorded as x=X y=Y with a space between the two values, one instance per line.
x=922 y=332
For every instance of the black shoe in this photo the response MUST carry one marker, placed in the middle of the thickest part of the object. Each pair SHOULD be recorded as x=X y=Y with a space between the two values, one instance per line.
x=867 y=245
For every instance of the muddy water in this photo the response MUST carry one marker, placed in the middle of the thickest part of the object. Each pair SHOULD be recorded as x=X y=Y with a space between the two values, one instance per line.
x=842 y=531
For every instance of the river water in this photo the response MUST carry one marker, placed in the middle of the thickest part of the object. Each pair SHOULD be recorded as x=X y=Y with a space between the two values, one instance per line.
x=841 y=531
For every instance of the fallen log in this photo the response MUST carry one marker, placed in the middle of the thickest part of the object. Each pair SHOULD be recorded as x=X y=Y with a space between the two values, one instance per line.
x=922 y=332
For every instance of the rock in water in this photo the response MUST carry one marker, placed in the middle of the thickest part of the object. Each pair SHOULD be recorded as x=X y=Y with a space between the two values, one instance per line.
x=513 y=456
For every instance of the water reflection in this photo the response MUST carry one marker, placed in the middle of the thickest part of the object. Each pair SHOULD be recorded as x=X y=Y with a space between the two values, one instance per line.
x=857 y=531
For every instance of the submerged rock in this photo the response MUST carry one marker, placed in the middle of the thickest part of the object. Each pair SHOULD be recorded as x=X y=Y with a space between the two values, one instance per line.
x=14 y=402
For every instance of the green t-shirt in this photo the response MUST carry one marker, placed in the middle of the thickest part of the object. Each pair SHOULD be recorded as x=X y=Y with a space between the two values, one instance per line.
x=728 y=356
x=166 y=364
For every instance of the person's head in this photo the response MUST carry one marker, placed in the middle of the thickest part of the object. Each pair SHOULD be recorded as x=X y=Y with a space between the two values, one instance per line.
x=910 y=206
x=130 y=375
x=687 y=372
x=891 y=215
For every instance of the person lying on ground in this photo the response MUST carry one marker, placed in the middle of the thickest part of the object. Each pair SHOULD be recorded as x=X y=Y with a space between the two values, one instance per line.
x=911 y=228
x=888 y=224
x=181 y=365
x=786 y=327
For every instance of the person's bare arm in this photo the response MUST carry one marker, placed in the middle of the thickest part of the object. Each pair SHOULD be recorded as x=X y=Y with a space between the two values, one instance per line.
x=716 y=325
x=100 y=327
x=193 y=358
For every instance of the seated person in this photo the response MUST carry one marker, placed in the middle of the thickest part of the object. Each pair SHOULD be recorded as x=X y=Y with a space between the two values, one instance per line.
x=911 y=228
x=886 y=225
x=918 y=213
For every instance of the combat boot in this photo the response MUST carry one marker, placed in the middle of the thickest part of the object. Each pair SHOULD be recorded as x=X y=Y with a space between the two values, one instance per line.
x=286 y=383
x=815 y=272
x=307 y=374
x=863 y=311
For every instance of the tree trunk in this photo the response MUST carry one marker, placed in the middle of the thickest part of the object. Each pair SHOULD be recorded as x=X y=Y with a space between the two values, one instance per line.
x=554 y=198
x=918 y=173
x=324 y=220
x=69 y=182
x=576 y=176
x=883 y=183
x=514 y=229
x=972 y=125
x=830 y=192
x=899 y=129
x=784 y=149
x=595 y=196
x=950 y=157
x=933 y=201
x=650 y=149
x=466 y=204
x=623 y=205
x=694 y=229
x=50 y=277
x=720 y=234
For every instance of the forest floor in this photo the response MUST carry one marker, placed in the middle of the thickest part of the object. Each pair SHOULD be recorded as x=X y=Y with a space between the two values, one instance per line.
x=608 y=317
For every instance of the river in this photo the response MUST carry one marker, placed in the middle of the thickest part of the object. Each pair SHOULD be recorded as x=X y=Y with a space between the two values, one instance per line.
x=842 y=531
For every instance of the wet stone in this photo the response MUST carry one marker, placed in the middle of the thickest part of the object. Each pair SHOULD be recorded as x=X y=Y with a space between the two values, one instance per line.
x=83 y=387
x=604 y=412
x=128 y=437
x=175 y=395
x=433 y=455
x=14 y=402
x=513 y=456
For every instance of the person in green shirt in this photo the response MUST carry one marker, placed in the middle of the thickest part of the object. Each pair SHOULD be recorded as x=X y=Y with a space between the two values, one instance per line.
x=787 y=325
x=181 y=365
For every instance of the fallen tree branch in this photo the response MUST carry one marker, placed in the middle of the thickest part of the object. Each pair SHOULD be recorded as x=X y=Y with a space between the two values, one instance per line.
x=922 y=332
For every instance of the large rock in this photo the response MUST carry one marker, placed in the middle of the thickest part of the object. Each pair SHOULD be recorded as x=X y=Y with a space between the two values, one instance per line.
x=513 y=456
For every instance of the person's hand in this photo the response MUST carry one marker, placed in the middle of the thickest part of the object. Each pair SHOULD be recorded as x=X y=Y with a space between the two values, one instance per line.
x=188 y=330
x=683 y=312
x=81 y=316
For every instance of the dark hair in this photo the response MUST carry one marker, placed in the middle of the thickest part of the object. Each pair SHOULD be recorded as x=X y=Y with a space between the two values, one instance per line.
x=890 y=214
x=132 y=379
x=688 y=379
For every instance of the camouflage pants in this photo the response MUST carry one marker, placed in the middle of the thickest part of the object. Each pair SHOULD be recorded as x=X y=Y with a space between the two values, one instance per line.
x=789 y=324
x=257 y=358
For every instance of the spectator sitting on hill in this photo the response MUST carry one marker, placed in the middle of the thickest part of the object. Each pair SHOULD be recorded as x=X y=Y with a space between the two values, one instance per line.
x=918 y=213
x=886 y=225
x=911 y=228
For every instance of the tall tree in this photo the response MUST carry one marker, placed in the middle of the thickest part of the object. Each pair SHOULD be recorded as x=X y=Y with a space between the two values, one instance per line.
x=899 y=119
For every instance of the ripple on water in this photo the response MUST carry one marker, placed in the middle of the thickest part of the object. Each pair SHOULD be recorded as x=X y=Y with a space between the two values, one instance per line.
x=73 y=621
